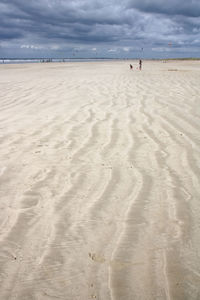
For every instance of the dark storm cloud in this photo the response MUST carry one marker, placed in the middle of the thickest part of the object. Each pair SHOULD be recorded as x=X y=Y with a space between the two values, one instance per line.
x=7 y=35
x=169 y=7
x=75 y=21
x=62 y=24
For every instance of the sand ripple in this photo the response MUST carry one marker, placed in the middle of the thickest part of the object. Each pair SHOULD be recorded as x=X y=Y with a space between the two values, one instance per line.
x=100 y=181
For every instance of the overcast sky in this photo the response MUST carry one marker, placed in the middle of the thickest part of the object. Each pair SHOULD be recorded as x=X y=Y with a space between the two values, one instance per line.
x=100 y=28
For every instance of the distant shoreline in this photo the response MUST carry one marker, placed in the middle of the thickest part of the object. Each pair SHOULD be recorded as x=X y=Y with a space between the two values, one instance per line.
x=48 y=60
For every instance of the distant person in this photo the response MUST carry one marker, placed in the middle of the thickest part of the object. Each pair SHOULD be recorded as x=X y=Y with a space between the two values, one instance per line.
x=131 y=67
x=140 y=64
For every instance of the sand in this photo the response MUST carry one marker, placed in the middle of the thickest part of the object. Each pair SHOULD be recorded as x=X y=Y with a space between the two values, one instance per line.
x=100 y=181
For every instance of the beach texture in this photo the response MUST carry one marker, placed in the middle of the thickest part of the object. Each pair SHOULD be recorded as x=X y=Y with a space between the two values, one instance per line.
x=100 y=181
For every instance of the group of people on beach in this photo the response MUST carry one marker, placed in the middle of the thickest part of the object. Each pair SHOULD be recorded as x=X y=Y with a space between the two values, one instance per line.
x=140 y=65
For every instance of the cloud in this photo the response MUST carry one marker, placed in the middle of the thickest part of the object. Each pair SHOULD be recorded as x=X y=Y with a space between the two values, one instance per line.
x=126 y=49
x=169 y=7
x=59 y=26
x=112 y=50
x=31 y=47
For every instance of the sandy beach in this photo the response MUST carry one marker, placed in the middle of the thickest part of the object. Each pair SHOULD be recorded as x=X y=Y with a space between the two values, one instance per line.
x=100 y=181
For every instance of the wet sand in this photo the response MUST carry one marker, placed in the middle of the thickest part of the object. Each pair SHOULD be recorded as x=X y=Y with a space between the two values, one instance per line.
x=100 y=181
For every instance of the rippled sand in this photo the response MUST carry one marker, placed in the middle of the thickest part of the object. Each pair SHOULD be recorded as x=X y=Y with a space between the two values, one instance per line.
x=100 y=181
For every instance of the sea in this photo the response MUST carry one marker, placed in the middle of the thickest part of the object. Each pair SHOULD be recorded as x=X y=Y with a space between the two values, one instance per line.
x=48 y=60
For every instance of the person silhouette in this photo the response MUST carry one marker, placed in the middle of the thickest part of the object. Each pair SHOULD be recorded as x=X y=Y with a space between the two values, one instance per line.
x=140 y=64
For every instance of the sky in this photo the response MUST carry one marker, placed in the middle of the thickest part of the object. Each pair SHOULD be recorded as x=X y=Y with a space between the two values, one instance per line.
x=99 y=28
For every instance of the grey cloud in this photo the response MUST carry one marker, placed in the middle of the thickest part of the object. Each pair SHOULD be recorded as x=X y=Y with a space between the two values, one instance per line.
x=42 y=18
x=169 y=7
x=7 y=35
x=86 y=23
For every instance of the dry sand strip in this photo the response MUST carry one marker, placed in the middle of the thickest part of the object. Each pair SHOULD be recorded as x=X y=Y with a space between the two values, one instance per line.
x=100 y=181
